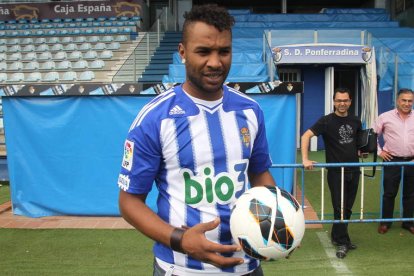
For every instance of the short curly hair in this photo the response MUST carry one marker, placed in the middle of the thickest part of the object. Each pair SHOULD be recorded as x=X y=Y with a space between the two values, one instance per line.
x=210 y=14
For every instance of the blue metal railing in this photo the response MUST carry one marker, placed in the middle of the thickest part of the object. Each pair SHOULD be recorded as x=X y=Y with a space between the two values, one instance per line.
x=342 y=165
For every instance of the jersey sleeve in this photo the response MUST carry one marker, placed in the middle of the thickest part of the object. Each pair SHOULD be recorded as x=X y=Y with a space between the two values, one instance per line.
x=260 y=158
x=141 y=160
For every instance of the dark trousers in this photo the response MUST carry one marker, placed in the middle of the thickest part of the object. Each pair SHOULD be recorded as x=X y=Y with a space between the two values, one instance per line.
x=339 y=233
x=392 y=178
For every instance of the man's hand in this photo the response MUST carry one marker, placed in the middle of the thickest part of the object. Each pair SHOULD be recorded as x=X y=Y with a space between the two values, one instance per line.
x=308 y=164
x=385 y=155
x=196 y=245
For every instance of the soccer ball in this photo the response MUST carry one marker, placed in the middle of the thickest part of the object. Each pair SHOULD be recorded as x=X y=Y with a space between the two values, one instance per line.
x=267 y=222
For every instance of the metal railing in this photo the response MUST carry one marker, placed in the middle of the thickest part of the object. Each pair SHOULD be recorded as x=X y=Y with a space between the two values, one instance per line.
x=362 y=187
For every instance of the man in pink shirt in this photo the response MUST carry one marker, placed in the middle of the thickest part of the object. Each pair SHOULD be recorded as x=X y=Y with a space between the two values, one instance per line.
x=397 y=129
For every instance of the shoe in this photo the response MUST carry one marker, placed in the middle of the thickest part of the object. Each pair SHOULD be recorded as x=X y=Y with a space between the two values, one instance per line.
x=409 y=229
x=352 y=246
x=382 y=229
x=341 y=251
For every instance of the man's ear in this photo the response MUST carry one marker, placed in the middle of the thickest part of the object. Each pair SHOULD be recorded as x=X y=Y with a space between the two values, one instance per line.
x=181 y=51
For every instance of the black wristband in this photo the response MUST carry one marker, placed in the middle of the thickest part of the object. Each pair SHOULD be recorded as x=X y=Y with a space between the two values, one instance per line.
x=176 y=239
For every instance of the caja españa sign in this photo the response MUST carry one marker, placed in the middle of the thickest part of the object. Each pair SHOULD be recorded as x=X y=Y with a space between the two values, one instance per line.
x=321 y=53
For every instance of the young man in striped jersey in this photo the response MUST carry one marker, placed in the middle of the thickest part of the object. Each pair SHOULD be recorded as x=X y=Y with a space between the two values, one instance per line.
x=202 y=143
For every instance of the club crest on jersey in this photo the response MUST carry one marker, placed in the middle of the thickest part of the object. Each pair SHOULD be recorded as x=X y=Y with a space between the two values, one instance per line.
x=245 y=134
x=128 y=154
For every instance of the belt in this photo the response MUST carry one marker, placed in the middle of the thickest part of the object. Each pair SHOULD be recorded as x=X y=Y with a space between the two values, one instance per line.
x=404 y=158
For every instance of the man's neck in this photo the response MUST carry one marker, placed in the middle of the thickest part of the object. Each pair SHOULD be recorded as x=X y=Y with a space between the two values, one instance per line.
x=340 y=114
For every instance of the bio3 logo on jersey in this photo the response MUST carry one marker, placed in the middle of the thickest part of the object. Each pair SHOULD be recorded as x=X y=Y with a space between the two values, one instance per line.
x=128 y=154
x=206 y=189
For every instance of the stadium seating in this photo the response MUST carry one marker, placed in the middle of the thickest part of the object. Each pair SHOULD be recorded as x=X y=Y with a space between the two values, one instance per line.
x=34 y=77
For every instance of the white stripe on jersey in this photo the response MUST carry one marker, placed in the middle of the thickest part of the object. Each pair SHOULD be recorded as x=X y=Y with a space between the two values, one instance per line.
x=232 y=90
x=150 y=106
x=232 y=142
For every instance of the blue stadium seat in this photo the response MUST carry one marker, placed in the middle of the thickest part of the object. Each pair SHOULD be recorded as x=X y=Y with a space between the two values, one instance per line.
x=3 y=66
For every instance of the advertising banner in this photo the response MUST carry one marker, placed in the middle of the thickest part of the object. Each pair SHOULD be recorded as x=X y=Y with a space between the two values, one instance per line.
x=321 y=53
x=128 y=89
x=71 y=9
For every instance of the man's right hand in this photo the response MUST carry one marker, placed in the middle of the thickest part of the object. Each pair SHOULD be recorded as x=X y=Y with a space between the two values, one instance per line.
x=308 y=164
x=196 y=245
x=385 y=155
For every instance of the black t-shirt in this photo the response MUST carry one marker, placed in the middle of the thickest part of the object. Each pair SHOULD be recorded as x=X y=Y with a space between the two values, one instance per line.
x=340 y=137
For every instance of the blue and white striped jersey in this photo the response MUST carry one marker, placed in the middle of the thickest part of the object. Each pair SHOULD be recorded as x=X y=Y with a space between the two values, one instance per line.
x=199 y=157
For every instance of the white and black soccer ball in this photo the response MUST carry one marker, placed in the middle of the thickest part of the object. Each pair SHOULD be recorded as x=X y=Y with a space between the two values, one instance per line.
x=267 y=222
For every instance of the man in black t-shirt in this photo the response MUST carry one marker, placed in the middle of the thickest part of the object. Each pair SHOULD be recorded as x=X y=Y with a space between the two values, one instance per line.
x=339 y=132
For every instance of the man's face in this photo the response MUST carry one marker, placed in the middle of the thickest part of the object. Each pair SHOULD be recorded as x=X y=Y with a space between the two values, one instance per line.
x=405 y=103
x=207 y=53
x=342 y=102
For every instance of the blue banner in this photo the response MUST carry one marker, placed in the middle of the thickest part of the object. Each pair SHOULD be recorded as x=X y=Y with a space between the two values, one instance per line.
x=64 y=153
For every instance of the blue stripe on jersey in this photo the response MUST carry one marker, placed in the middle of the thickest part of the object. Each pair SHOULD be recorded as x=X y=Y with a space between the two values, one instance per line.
x=220 y=165
x=186 y=159
x=242 y=122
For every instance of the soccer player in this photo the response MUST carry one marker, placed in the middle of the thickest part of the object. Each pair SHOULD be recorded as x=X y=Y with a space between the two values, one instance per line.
x=202 y=143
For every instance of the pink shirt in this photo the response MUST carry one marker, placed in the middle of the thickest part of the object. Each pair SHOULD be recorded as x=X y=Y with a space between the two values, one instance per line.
x=398 y=134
